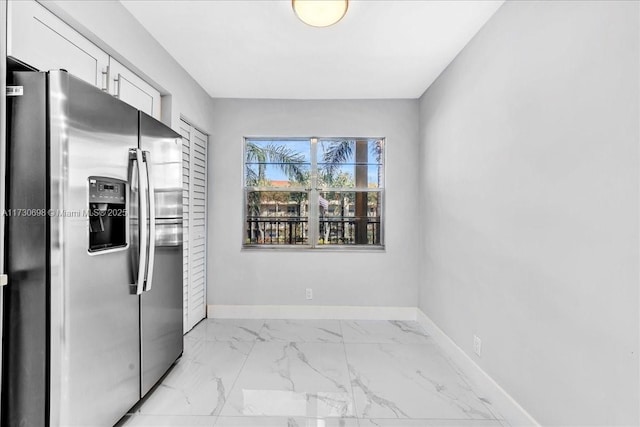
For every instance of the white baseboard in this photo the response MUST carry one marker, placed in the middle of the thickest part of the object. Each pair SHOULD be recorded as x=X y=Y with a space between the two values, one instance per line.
x=505 y=405
x=309 y=312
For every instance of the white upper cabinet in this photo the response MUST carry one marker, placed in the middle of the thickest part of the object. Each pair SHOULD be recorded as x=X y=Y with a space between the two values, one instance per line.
x=40 y=39
x=131 y=89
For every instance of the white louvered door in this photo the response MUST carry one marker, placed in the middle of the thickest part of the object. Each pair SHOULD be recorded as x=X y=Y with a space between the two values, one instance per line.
x=185 y=131
x=194 y=196
x=197 y=238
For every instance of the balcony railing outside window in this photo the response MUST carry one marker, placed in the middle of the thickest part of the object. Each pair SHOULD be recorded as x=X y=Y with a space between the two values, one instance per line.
x=342 y=231
x=267 y=230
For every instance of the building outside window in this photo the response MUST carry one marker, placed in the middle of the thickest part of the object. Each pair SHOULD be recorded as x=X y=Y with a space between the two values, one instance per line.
x=313 y=192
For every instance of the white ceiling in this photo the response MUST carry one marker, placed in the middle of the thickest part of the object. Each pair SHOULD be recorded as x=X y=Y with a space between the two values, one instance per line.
x=259 y=49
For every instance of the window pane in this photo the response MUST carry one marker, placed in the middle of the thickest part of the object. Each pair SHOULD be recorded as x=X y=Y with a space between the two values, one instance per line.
x=336 y=150
x=350 y=163
x=349 y=218
x=281 y=163
x=276 y=218
x=350 y=175
x=279 y=175
x=273 y=150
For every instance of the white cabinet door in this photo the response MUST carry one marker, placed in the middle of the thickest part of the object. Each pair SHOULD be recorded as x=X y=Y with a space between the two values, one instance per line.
x=128 y=87
x=38 y=38
x=194 y=182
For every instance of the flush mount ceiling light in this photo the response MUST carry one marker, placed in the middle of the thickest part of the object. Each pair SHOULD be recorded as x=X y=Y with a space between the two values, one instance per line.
x=320 y=13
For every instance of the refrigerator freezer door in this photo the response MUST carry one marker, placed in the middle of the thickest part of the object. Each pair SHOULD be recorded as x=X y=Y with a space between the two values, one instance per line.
x=161 y=306
x=95 y=365
x=3 y=152
x=24 y=392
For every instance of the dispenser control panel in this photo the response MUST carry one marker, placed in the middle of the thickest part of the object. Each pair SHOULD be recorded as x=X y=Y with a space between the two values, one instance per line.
x=107 y=214
x=105 y=190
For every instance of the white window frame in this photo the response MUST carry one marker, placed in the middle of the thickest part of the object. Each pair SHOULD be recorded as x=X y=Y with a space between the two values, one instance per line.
x=313 y=192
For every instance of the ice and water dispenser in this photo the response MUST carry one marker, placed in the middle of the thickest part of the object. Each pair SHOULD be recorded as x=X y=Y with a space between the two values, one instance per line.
x=107 y=213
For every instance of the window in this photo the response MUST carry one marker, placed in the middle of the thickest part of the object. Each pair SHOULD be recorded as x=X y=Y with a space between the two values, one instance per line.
x=313 y=192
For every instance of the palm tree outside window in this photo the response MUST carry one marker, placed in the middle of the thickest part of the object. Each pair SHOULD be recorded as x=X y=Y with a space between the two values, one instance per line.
x=314 y=192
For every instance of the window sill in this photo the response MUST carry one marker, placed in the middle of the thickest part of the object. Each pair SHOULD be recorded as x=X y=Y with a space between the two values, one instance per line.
x=320 y=248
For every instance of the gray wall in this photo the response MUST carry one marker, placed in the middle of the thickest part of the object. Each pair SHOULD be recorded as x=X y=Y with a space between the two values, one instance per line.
x=529 y=189
x=345 y=278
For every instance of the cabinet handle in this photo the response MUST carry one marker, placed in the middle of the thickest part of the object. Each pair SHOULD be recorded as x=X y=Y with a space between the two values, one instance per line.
x=105 y=79
x=116 y=87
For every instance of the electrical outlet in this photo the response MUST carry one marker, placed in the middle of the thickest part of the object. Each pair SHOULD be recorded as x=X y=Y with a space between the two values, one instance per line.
x=309 y=293
x=477 y=345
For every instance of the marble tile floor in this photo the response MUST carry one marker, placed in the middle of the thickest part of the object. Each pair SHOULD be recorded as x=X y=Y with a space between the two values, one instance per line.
x=313 y=373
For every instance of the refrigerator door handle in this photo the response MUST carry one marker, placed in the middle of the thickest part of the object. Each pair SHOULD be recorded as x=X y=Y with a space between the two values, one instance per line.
x=152 y=222
x=135 y=154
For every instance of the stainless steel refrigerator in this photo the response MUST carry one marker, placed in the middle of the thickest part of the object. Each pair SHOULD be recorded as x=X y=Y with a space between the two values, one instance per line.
x=93 y=309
